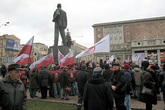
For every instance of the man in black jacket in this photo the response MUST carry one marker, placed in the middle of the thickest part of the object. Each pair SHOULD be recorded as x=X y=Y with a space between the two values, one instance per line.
x=145 y=63
x=82 y=78
x=64 y=81
x=44 y=80
x=97 y=92
x=118 y=83
x=107 y=72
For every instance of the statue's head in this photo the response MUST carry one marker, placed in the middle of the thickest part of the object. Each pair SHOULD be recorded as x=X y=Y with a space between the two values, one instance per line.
x=59 y=5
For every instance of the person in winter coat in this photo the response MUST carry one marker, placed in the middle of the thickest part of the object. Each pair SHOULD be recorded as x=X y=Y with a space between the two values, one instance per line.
x=117 y=83
x=162 y=81
x=101 y=64
x=128 y=79
x=150 y=82
x=82 y=78
x=138 y=75
x=12 y=90
x=33 y=82
x=43 y=80
x=145 y=63
x=64 y=81
x=3 y=70
x=97 y=92
x=107 y=72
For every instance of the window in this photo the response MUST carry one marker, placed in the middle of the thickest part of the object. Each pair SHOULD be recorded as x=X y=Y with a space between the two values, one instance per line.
x=127 y=26
x=98 y=29
x=164 y=42
x=115 y=40
x=138 y=43
x=128 y=40
x=120 y=34
x=115 y=34
x=127 y=33
x=98 y=36
x=111 y=40
x=120 y=39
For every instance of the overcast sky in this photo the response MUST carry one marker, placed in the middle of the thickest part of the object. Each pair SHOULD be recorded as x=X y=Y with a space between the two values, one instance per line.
x=34 y=17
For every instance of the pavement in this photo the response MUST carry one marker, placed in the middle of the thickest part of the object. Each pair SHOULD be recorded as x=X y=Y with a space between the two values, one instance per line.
x=135 y=104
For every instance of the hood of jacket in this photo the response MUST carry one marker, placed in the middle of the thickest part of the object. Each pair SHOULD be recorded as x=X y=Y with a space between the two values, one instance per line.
x=96 y=81
x=136 y=69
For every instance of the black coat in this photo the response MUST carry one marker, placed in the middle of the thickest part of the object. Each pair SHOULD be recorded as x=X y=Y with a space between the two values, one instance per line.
x=149 y=82
x=33 y=80
x=98 y=95
x=64 y=79
x=43 y=77
x=107 y=74
x=81 y=79
x=145 y=64
x=118 y=79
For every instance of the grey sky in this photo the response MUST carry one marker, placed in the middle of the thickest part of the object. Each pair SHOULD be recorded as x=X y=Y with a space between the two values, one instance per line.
x=34 y=17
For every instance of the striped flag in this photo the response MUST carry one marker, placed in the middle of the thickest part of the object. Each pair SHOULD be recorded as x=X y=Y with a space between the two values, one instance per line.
x=24 y=56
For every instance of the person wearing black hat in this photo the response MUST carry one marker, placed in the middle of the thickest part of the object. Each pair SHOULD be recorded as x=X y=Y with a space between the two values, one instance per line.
x=118 y=83
x=97 y=92
x=150 y=82
x=82 y=78
x=12 y=90
x=145 y=63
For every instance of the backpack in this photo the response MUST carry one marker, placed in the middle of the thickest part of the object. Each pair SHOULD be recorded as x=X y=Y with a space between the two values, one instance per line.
x=128 y=78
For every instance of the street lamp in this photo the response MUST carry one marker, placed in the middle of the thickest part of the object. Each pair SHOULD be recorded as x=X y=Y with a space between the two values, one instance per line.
x=5 y=24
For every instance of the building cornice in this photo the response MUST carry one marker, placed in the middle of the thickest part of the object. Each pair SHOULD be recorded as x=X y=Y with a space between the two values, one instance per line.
x=129 y=21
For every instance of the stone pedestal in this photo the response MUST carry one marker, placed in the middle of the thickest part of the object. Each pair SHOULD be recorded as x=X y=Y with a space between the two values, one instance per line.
x=63 y=49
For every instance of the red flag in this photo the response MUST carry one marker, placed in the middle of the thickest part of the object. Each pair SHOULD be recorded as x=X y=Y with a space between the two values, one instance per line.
x=68 y=59
x=23 y=57
x=60 y=57
x=127 y=60
x=48 y=59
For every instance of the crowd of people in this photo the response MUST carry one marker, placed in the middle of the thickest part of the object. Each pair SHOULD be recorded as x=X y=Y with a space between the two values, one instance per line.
x=98 y=85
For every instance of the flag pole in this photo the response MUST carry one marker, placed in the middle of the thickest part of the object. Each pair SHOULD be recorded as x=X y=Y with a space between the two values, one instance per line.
x=109 y=46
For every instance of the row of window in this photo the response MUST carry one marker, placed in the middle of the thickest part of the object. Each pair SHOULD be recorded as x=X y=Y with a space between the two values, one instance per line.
x=114 y=34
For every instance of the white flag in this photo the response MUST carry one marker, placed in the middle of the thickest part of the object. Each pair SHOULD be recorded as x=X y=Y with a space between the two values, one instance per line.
x=60 y=57
x=48 y=59
x=101 y=46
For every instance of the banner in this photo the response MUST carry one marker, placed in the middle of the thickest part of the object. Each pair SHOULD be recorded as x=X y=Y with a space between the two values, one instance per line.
x=101 y=46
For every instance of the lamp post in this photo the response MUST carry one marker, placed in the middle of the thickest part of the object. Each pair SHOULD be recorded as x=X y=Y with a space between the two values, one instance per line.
x=5 y=24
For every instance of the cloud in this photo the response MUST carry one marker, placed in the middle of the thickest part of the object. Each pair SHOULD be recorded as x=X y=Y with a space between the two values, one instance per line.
x=34 y=18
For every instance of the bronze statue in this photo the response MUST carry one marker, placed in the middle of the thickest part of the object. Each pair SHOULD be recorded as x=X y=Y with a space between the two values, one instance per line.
x=60 y=20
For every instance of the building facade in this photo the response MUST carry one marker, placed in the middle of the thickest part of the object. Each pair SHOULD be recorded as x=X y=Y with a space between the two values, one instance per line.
x=38 y=51
x=77 y=48
x=133 y=38
x=9 y=47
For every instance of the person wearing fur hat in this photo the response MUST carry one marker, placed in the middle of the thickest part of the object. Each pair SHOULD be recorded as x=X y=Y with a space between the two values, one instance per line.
x=12 y=90
x=97 y=92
